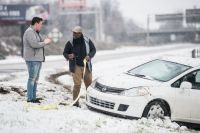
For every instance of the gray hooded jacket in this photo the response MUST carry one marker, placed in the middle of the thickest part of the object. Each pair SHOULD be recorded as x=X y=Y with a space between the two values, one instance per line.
x=33 y=46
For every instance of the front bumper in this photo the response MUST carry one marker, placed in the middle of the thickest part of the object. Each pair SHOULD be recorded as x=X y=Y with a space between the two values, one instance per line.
x=116 y=104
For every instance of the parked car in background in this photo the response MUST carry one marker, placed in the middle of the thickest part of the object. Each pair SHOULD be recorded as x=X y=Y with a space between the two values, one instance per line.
x=168 y=86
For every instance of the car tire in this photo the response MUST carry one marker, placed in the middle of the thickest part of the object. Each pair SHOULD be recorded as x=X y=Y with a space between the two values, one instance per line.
x=155 y=109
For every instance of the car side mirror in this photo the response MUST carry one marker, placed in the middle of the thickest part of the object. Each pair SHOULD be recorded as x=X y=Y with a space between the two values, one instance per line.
x=186 y=85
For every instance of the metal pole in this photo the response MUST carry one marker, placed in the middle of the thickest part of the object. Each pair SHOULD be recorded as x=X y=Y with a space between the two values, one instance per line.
x=22 y=27
x=147 y=33
x=80 y=15
x=97 y=25
x=101 y=26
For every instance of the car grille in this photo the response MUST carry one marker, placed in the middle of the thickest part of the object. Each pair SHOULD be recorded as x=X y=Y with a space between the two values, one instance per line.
x=107 y=89
x=102 y=103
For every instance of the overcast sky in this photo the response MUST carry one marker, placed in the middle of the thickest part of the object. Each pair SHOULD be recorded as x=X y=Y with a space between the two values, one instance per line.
x=139 y=9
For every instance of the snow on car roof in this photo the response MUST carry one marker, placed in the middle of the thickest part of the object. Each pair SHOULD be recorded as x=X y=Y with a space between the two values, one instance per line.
x=193 y=62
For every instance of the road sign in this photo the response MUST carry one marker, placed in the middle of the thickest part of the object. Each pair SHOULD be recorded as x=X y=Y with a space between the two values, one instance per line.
x=72 y=3
x=55 y=34
x=192 y=15
x=22 y=13
x=169 y=17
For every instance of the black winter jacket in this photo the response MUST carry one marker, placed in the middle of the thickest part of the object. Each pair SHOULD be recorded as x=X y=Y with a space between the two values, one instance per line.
x=69 y=49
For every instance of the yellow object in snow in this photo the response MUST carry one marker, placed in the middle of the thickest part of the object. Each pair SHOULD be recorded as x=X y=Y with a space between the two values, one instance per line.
x=42 y=107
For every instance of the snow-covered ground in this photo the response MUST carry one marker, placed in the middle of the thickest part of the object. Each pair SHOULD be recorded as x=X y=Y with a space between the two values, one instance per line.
x=16 y=116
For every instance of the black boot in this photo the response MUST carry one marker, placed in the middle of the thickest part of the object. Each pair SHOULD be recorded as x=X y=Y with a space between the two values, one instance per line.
x=77 y=105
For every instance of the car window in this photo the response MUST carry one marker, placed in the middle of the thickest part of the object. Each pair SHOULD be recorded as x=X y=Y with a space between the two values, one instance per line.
x=193 y=78
x=159 y=70
x=198 y=77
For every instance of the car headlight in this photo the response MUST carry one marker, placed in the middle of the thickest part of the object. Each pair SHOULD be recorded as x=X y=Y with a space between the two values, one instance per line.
x=136 y=91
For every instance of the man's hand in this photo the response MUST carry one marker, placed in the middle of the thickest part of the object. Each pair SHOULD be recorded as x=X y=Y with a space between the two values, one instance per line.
x=71 y=56
x=87 y=58
x=47 y=40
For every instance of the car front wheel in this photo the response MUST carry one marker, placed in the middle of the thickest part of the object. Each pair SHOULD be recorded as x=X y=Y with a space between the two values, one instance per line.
x=155 y=110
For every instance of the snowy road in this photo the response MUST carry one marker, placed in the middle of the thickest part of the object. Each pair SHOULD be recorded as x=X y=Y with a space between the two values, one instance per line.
x=56 y=63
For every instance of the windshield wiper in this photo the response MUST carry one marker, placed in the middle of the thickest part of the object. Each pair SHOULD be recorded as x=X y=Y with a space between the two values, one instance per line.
x=144 y=76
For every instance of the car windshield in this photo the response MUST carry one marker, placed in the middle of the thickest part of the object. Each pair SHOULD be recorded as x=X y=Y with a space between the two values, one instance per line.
x=159 y=70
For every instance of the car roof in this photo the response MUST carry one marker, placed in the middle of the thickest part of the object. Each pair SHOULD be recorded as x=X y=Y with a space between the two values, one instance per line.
x=193 y=62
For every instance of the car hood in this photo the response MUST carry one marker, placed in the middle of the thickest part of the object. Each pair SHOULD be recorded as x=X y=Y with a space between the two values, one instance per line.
x=126 y=81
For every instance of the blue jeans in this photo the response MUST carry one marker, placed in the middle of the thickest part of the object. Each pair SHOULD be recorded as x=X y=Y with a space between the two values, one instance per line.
x=34 y=72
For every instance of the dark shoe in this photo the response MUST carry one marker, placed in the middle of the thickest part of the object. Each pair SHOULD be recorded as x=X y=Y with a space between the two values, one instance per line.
x=34 y=101
x=29 y=101
x=77 y=105
x=39 y=98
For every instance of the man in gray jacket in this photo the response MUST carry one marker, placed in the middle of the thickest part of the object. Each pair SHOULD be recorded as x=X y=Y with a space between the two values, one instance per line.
x=34 y=55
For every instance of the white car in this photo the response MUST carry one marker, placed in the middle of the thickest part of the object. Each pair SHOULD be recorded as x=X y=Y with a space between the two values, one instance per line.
x=159 y=88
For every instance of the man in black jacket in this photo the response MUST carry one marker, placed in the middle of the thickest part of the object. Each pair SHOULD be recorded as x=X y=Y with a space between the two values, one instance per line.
x=76 y=50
